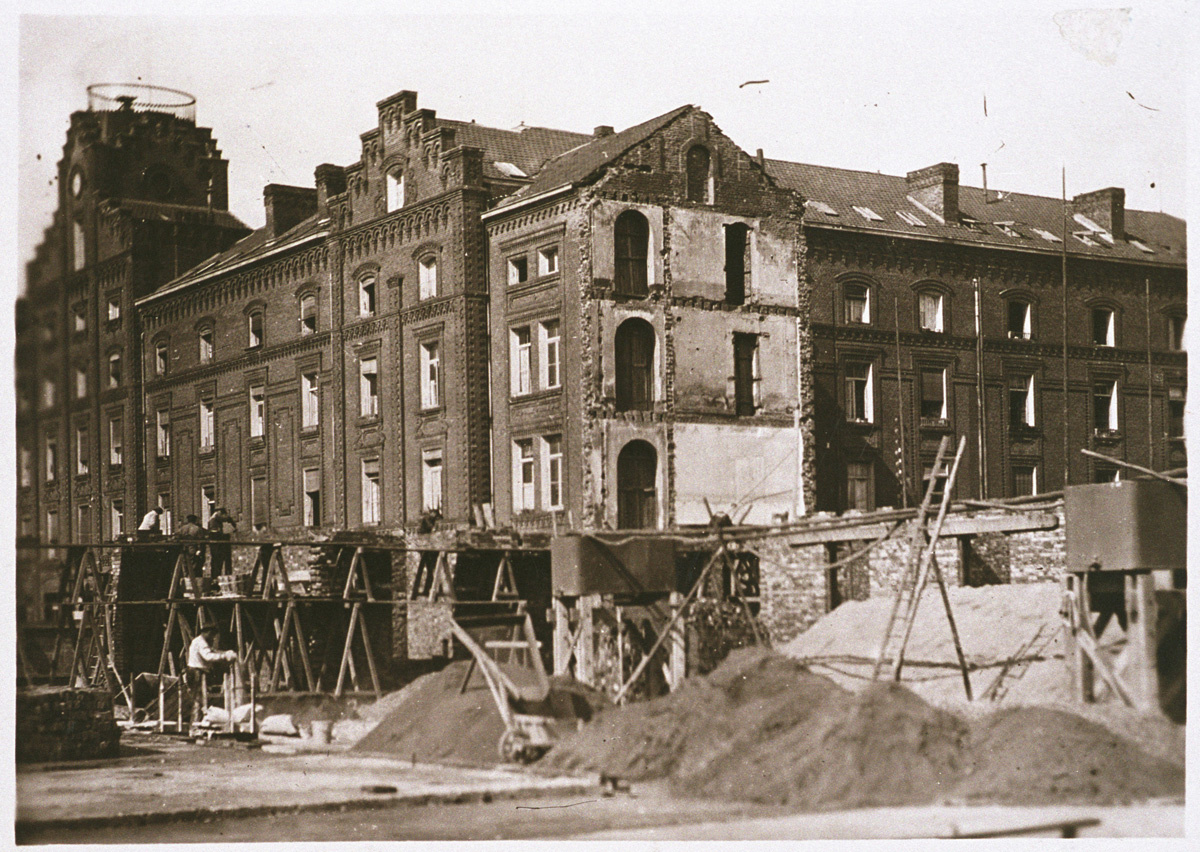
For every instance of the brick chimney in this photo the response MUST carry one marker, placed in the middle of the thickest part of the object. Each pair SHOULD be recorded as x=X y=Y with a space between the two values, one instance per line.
x=602 y=130
x=1105 y=207
x=287 y=206
x=936 y=187
x=330 y=180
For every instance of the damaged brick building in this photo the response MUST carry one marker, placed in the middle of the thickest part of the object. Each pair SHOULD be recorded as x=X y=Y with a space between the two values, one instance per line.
x=616 y=329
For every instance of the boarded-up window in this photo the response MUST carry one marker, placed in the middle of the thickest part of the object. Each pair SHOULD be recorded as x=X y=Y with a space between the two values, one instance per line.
x=859 y=490
x=631 y=236
x=258 y=501
x=634 y=345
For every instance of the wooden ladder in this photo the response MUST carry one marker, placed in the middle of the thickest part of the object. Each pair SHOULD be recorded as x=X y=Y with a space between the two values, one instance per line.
x=922 y=561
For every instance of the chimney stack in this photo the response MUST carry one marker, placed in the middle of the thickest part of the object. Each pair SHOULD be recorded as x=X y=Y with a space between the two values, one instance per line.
x=936 y=187
x=603 y=130
x=330 y=181
x=287 y=206
x=1105 y=207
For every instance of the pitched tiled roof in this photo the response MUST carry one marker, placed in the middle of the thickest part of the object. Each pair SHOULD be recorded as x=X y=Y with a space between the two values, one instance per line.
x=256 y=243
x=831 y=196
x=580 y=163
x=527 y=148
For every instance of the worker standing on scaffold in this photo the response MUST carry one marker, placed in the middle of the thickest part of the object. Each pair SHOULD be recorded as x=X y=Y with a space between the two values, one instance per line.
x=222 y=561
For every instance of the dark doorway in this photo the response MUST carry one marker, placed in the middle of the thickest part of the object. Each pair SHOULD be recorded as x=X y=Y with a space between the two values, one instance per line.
x=637 y=497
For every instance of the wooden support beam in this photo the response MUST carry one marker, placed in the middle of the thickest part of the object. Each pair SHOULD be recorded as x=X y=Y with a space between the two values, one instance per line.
x=1141 y=608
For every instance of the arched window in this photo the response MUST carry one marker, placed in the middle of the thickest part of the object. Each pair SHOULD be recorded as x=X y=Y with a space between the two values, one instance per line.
x=634 y=344
x=631 y=235
x=737 y=262
x=637 y=497
x=395 y=190
x=699 y=175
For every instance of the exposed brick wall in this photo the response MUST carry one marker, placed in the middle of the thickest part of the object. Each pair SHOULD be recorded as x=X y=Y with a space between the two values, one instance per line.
x=795 y=584
x=56 y=723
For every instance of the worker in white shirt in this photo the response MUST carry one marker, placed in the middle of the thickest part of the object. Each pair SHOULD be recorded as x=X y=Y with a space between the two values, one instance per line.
x=151 y=525
x=204 y=660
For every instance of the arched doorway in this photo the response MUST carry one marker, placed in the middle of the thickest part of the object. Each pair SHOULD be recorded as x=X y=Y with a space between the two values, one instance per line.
x=637 y=494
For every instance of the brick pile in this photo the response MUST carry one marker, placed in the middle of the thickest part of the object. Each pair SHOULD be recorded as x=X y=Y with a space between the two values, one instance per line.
x=58 y=723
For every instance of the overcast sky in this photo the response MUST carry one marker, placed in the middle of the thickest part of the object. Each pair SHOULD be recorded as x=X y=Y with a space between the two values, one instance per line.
x=871 y=86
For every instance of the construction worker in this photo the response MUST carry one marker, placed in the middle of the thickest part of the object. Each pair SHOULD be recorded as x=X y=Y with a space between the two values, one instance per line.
x=222 y=562
x=191 y=531
x=151 y=525
x=204 y=660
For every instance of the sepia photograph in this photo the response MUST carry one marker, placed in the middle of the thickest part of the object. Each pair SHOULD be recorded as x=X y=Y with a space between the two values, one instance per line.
x=634 y=422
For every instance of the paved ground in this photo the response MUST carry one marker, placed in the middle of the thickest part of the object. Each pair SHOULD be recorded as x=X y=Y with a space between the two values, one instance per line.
x=166 y=790
x=161 y=777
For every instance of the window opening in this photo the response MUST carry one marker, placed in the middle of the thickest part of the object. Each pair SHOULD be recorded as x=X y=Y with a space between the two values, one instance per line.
x=366 y=297
x=933 y=393
x=931 y=305
x=548 y=356
x=634 y=344
x=858 y=303
x=745 y=372
x=430 y=364
x=737 y=263
x=368 y=387
x=519 y=340
x=631 y=235
x=1104 y=331
x=699 y=175
x=859 y=393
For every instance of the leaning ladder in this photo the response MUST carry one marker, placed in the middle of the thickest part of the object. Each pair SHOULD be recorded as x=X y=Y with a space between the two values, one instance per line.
x=921 y=559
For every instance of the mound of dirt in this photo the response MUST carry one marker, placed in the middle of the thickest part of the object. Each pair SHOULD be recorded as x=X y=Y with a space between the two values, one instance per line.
x=764 y=728
x=1046 y=755
x=436 y=719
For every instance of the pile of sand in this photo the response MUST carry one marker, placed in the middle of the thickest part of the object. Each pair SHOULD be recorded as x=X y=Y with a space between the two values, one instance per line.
x=764 y=728
x=1011 y=636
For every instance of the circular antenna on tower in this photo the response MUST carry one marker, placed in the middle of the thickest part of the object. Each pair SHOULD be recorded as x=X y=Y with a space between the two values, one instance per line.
x=139 y=97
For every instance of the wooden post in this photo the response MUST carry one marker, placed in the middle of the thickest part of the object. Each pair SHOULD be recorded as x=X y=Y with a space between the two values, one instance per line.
x=678 y=643
x=1082 y=670
x=562 y=636
x=1141 y=608
x=586 y=642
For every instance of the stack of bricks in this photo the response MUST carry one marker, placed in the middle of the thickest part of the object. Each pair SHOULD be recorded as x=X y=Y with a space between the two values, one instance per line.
x=58 y=723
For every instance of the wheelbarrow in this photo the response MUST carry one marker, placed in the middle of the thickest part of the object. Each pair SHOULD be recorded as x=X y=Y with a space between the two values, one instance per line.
x=526 y=736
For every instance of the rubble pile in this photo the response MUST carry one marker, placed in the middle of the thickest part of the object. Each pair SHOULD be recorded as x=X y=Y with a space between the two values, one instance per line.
x=764 y=728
